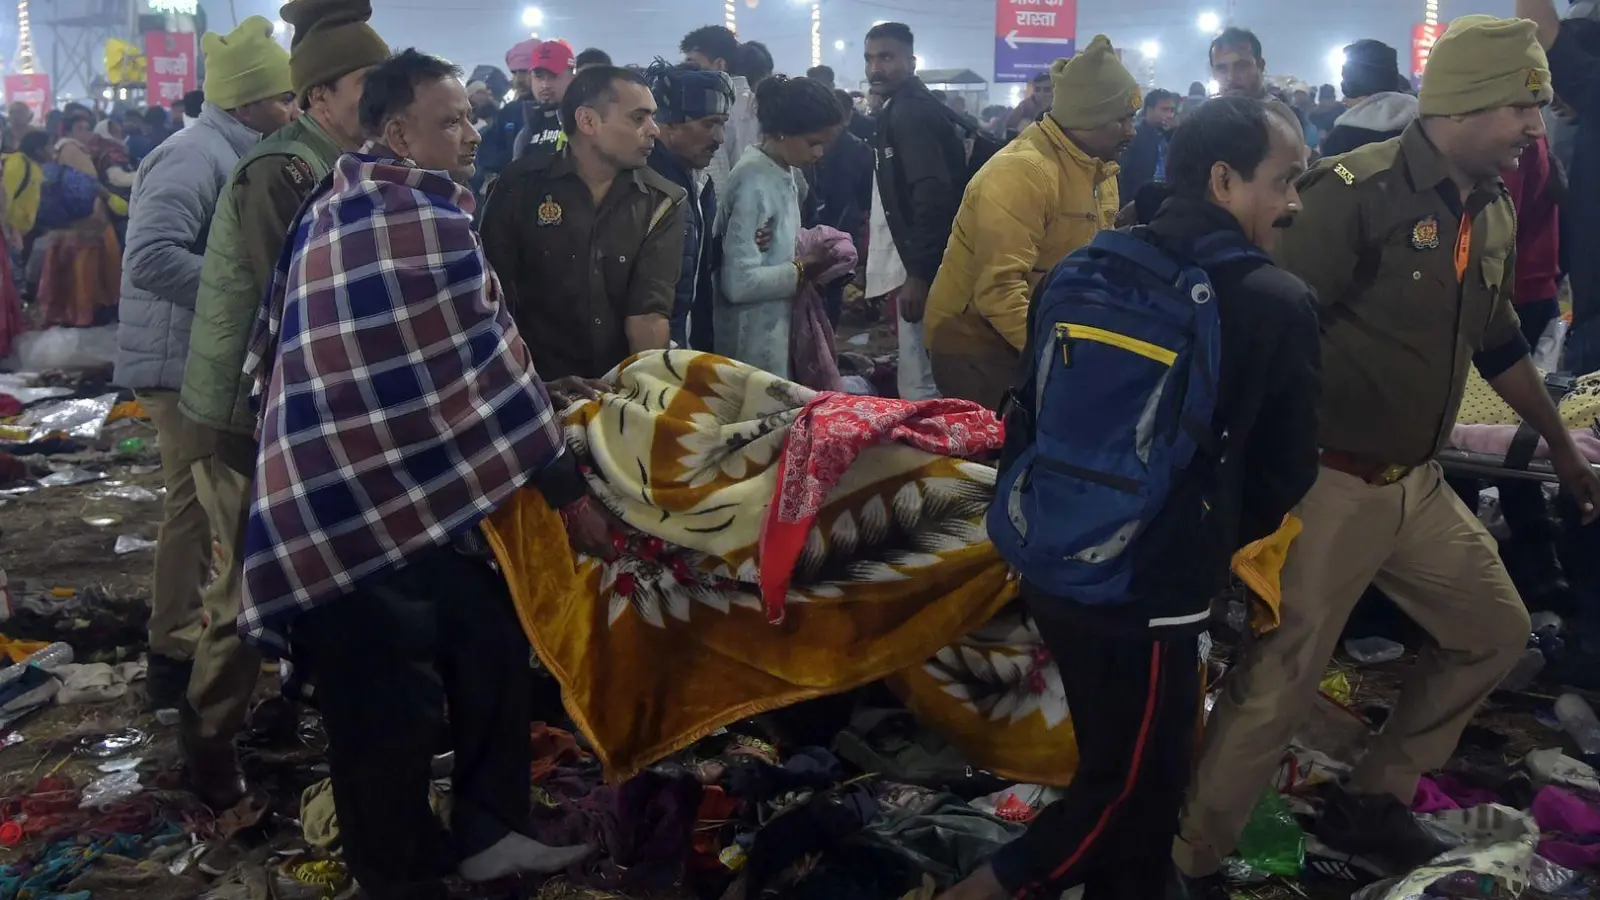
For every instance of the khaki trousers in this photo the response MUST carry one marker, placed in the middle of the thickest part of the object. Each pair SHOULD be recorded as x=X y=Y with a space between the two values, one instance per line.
x=983 y=379
x=183 y=546
x=1421 y=546
x=225 y=668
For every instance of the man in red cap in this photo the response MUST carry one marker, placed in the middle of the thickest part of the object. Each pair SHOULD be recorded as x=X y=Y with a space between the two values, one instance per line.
x=552 y=72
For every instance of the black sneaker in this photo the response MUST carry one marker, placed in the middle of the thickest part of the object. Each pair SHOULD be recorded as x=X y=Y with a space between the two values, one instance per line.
x=1377 y=828
x=166 y=682
x=1323 y=863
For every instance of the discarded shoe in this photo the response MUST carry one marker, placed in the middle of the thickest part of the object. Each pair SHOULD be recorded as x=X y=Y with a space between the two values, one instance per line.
x=1327 y=864
x=1378 y=828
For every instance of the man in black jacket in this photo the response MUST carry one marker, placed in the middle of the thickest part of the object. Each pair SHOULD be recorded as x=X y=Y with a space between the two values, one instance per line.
x=921 y=164
x=692 y=107
x=541 y=133
x=1145 y=159
x=1131 y=672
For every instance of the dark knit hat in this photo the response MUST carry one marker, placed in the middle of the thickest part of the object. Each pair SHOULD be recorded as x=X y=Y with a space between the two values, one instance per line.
x=1371 y=67
x=331 y=40
x=684 y=94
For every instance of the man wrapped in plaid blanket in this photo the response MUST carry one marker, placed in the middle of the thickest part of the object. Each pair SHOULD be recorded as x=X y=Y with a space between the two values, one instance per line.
x=399 y=407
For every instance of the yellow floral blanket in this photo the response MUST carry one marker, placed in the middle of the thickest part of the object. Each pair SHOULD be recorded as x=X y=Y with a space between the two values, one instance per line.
x=1480 y=405
x=670 y=642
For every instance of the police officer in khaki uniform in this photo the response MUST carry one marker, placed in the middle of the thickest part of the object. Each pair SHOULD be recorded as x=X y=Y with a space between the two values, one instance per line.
x=1408 y=245
x=588 y=241
x=332 y=50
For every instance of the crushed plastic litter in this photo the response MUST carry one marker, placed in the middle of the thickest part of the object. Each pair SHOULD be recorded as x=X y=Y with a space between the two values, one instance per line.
x=110 y=790
x=69 y=477
x=83 y=419
x=128 y=543
x=116 y=743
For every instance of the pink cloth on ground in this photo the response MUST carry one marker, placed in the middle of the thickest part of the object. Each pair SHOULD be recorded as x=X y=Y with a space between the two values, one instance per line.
x=1576 y=821
x=813 y=353
x=1496 y=439
x=1446 y=792
x=1556 y=809
x=1430 y=798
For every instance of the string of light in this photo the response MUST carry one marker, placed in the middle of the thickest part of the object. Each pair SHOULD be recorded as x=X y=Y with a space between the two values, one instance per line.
x=25 y=60
x=816 y=34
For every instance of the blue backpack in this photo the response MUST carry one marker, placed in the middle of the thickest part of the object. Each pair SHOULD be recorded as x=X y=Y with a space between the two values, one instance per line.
x=1114 y=403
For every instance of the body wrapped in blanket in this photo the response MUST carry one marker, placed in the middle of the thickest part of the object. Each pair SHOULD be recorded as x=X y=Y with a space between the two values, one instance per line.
x=1487 y=424
x=894 y=579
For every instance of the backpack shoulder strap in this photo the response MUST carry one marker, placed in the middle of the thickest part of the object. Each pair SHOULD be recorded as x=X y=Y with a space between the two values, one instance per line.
x=27 y=178
x=1130 y=244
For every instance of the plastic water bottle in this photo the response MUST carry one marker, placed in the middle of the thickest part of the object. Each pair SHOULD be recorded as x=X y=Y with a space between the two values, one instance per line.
x=57 y=654
x=1579 y=721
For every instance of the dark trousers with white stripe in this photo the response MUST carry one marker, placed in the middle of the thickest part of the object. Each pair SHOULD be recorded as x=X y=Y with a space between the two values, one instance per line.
x=1135 y=706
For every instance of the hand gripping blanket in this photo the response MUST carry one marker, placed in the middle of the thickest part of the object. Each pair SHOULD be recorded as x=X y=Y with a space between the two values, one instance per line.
x=399 y=403
x=895 y=577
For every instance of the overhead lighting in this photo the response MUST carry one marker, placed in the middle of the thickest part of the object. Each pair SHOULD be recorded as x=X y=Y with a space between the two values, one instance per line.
x=1336 y=60
x=1213 y=88
x=532 y=17
x=838 y=45
x=1150 y=50
x=1209 y=22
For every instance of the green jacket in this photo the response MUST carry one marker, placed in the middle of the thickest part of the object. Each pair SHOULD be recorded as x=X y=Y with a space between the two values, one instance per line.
x=252 y=221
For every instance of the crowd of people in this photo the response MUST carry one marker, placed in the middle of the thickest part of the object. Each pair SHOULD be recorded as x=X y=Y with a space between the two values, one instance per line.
x=354 y=291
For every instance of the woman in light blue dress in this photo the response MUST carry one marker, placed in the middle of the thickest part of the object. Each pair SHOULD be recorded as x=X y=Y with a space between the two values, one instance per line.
x=799 y=119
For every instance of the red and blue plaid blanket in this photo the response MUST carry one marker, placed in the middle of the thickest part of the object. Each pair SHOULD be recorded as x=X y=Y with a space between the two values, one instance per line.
x=398 y=403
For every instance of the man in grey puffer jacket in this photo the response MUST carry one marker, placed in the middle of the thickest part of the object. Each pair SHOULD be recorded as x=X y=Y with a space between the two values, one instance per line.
x=248 y=95
x=1378 y=96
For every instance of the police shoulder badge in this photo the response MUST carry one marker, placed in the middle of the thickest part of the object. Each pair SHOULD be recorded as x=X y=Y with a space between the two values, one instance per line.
x=549 y=211
x=1344 y=174
x=299 y=172
x=1425 y=234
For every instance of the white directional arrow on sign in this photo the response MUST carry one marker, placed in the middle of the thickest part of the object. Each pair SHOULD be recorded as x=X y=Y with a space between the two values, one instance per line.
x=1012 y=40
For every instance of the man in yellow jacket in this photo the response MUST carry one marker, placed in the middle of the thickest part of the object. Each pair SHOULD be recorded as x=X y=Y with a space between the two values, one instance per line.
x=1042 y=197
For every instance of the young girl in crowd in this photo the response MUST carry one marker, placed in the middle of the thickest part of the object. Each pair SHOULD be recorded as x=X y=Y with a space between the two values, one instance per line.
x=799 y=118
